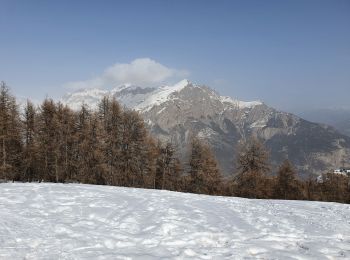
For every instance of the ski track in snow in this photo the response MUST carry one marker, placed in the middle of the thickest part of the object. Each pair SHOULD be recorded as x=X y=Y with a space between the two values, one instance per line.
x=73 y=221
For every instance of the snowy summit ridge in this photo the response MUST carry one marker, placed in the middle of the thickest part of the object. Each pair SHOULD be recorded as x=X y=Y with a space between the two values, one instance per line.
x=140 y=98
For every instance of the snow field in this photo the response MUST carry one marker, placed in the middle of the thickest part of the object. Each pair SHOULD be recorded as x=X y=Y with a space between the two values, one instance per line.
x=73 y=221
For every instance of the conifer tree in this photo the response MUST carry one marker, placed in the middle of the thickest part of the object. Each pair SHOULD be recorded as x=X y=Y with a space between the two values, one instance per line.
x=110 y=115
x=252 y=166
x=213 y=174
x=287 y=186
x=65 y=142
x=150 y=159
x=30 y=150
x=91 y=168
x=168 y=168
x=47 y=141
x=253 y=157
x=310 y=187
x=335 y=187
x=10 y=136
x=135 y=164
x=205 y=176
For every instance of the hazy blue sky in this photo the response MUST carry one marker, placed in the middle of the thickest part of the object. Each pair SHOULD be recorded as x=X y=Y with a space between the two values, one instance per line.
x=290 y=54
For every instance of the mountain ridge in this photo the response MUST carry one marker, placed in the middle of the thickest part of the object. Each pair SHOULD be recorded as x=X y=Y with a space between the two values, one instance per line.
x=337 y=117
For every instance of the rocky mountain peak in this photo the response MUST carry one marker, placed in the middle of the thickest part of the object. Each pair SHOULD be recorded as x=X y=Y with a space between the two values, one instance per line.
x=181 y=111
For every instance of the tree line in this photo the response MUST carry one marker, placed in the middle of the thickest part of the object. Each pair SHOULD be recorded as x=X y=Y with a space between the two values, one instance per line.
x=111 y=146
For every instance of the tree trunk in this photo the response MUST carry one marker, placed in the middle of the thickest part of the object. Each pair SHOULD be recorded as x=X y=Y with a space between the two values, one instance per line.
x=4 y=158
x=56 y=169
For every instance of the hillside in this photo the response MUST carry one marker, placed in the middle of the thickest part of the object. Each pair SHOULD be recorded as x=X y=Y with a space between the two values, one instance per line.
x=72 y=221
x=177 y=113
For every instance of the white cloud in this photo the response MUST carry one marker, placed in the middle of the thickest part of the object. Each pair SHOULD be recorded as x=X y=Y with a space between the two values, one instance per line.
x=142 y=72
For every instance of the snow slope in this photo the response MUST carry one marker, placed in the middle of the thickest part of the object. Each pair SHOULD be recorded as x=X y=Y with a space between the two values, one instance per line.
x=161 y=95
x=72 y=221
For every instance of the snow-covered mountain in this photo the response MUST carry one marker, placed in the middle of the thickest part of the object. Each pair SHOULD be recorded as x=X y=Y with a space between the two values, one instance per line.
x=184 y=110
x=72 y=221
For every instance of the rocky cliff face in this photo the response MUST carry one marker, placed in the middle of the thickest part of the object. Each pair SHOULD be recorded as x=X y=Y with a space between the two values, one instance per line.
x=180 y=112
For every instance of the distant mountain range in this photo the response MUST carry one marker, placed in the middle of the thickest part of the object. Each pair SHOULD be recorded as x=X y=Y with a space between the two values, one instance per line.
x=339 y=118
x=185 y=110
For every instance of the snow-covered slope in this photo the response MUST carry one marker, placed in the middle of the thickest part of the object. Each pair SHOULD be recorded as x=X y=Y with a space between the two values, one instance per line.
x=71 y=221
